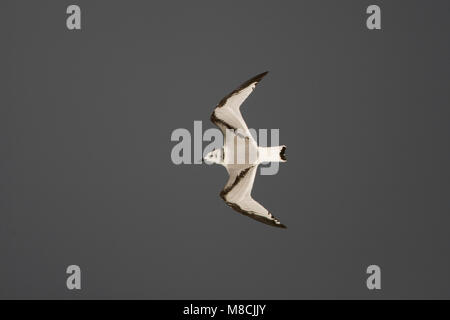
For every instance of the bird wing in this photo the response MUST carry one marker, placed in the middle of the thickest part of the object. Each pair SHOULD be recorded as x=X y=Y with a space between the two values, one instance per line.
x=227 y=114
x=237 y=194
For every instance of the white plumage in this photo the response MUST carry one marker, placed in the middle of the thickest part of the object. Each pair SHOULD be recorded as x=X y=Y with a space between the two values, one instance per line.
x=241 y=155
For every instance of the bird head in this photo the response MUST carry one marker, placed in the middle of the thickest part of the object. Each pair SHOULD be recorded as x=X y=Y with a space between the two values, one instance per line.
x=214 y=156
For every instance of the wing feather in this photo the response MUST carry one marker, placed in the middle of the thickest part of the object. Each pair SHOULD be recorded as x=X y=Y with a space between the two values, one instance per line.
x=237 y=194
x=237 y=191
x=227 y=114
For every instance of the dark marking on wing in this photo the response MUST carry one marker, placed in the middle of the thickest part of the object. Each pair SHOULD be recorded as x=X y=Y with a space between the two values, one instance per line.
x=217 y=121
x=214 y=119
x=240 y=176
x=259 y=218
x=256 y=79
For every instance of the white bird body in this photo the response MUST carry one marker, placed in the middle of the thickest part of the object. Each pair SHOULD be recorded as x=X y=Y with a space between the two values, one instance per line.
x=229 y=154
x=241 y=155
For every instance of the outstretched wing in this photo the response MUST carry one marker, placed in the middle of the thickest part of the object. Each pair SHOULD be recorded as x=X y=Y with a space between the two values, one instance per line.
x=227 y=114
x=237 y=194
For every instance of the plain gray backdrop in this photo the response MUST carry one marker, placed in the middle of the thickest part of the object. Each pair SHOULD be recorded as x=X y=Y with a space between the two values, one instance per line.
x=86 y=176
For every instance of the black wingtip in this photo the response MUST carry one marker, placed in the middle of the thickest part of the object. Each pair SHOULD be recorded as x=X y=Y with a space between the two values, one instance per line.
x=256 y=79
x=278 y=225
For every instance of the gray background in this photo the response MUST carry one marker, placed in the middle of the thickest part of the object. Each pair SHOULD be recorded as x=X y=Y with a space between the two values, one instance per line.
x=86 y=176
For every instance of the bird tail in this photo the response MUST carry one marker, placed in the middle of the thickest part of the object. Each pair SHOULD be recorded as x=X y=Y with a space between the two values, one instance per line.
x=273 y=154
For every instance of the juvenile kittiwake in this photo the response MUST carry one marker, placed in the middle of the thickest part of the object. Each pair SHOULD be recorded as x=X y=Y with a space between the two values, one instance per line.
x=241 y=155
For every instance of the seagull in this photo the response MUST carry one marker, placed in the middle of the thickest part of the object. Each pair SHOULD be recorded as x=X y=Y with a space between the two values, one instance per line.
x=241 y=155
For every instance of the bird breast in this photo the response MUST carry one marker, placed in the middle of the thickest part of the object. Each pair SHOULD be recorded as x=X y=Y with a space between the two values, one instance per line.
x=240 y=150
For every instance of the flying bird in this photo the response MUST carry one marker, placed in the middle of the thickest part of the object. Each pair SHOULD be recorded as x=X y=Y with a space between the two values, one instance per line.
x=241 y=155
